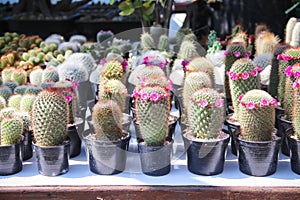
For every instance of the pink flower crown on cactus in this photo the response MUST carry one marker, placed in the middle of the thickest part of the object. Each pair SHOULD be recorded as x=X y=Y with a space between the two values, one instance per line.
x=68 y=92
x=237 y=54
x=252 y=105
x=153 y=60
x=155 y=97
x=185 y=64
x=244 y=75
x=284 y=57
x=294 y=71
x=168 y=87
x=203 y=103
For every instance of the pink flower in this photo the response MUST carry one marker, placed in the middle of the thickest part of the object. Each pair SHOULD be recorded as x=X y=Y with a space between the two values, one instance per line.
x=296 y=84
x=287 y=58
x=185 y=63
x=288 y=71
x=203 y=103
x=234 y=77
x=237 y=54
x=264 y=102
x=243 y=103
x=274 y=102
x=74 y=85
x=219 y=103
x=297 y=74
x=145 y=96
x=254 y=72
x=155 y=97
x=161 y=65
x=259 y=68
x=250 y=105
x=102 y=61
x=280 y=57
x=240 y=97
x=248 y=54
x=135 y=94
x=169 y=86
x=145 y=60
x=245 y=75
x=226 y=53
x=68 y=98
x=124 y=64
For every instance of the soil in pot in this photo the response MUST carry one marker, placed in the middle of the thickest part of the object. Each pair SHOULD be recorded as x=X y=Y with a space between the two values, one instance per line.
x=206 y=157
x=10 y=159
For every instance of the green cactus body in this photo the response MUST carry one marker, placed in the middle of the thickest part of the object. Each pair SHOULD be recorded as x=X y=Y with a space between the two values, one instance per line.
x=243 y=77
x=282 y=80
x=26 y=102
x=33 y=89
x=6 y=73
x=153 y=110
x=2 y=103
x=206 y=113
x=35 y=77
x=203 y=65
x=107 y=120
x=19 y=76
x=257 y=116
x=11 y=84
x=11 y=131
x=193 y=82
x=187 y=50
x=148 y=71
x=5 y=92
x=153 y=80
x=181 y=34
x=50 y=118
x=14 y=101
x=163 y=43
x=50 y=74
x=288 y=98
x=104 y=36
x=234 y=52
x=7 y=112
x=147 y=42
x=266 y=42
x=289 y=29
x=112 y=70
x=295 y=41
x=263 y=60
x=274 y=74
x=45 y=85
x=296 y=112
x=113 y=49
x=25 y=117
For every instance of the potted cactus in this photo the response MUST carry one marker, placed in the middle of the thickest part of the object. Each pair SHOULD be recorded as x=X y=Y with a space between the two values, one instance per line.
x=49 y=122
x=258 y=145
x=107 y=145
x=10 y=146
x=205 y=141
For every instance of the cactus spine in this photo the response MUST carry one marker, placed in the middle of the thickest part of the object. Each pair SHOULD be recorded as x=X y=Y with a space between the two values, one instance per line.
x=107 y=120
x=295 y=41
x=289 y=29
x=35 y=77
x=112 y=70
x=50 y=74
x=187 y=50
x=50 y=118
x=206 y=113
x=11 y=130
x=203 y=65
x=14 y=101
x=257 y=116
x=147 y=42
x=163 y=43
x=19 y=76
x=26 y=102
x=296 y=110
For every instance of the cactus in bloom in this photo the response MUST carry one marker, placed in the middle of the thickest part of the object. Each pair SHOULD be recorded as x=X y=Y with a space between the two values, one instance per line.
x=50 y=117
x=234 y=52
x=107 y=120
x=206 y=113
x=112 y=70
x=296 y=108
x=187 y=50
x=163 y=43
x=50 y=74
x=193 y=82
x=19 y=76
x=14 y=101
x=155 y=79
x=289 y=29
x=295 y=41
x=153 y=109
x=203 y=65
x=257 y=115
x=147 y=42
x=11 y=131
x=114 y=90
x=35 y=77
x=26 y=102
x=243 y=76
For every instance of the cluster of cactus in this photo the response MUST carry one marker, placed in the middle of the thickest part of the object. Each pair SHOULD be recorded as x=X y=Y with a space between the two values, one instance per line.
x=50 y=117
x=107 y=120
x=104 y=37
x=33 y=57
x=12 y=74
x=54 y=58
x=113 y=90
x=243 y=77
x=234 y=51
x=152 y=104
x=25 y=117
x=206 y=113
x=257 y=115
x=11 y=131
x=73 y=71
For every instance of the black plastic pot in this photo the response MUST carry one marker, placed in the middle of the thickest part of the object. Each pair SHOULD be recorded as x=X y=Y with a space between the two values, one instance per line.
x=10 y=159
x=233 y=128
x=295 y=151
x=155 y=160
x=107 y=157
x=52 y=160
x=27 y=145
x=206 y=157
x=258 y=158
x=75 y=141
x=283 y=126
x=279 y=111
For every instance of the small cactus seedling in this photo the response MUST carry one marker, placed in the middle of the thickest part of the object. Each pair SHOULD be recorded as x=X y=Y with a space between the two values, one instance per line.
x=163 y=43
x=187 y=50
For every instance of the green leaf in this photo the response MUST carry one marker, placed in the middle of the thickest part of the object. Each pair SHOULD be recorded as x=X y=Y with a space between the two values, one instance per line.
x=147 y=17
x=149 y=10
x=162 y=3
x=126 y=8
x=112 y=2
x=137 y=3
x=147 y=3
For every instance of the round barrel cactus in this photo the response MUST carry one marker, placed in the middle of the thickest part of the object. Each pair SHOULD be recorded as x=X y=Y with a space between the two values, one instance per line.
x=11 y=130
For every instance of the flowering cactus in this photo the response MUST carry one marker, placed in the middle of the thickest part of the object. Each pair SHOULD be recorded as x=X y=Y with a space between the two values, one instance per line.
x=257 y=115
x=296 y=108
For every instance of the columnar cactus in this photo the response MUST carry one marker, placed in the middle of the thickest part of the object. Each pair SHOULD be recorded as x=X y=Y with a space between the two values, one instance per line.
x=155 y=79
x=257 y=116
x=206 y=113
x=153 y=109
x=163 y=43
x=243 y=76
x=289 y=29
x=295 y=41
x=147 y=42
x=296 y=108
x=114 y=90
x=11 y=131
x=266 y=42
x=107 y=120
x=50 y=117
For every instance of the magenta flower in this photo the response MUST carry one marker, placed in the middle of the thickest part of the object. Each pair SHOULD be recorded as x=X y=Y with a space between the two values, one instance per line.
x=145 y=96
x=237 y=54
x=226 y=53
x=250 y=105
x=264 y=102
x=280 y=57
x=135 y=94
x=68 y=98
x=203 y=103
x=296 y=84
x=254 y=72
x=185 y=63
x=169 y=86
x=154 y=97
x=124 y=64
x=248 y=54
x=75 y=85
x=245 y=75
x=102 y=61
x=234 y=77
x=259 y=68
x=287 y=58
x=161 y=65
x=240 y=97
x=297 y=74
x=288 y=71
x=219 y=103
x=145 y=60
x=274 y=102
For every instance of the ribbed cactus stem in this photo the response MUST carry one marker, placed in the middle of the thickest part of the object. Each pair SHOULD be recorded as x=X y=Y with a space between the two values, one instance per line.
x=206 y=113
x=50 y=74
x=163 y=43
x=289 y=29
x=296 y=111
x=147 y=42
x=11 y=130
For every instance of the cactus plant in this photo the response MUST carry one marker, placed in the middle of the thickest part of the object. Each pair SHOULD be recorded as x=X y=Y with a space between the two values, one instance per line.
x=14 y=101
x=6 y=73
x=295 y=41
x=25 y=117
x=153 y=109
x=7 y=112
x=35 y=77
x=181 y=34
x=257 y=116
x=50 y=117
x=104 y=37
x=163 y=43
x=114 y=56
x=85 y=59
x=11 y=130
x=2 y=103
x=187 y=50
x=201 y=64
x=112 y=70
x=107 y=120
x=5 y=92
x=243 y=76
x=50 y=74
x=11 y=84
x=289 y=29
x=266 y=42
x=147 y=71
x=33 y=89
x=26 y=102
x=81 y=39
x=206 y=113
x=296 y=109
x=147 y=42
x=73 y=71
